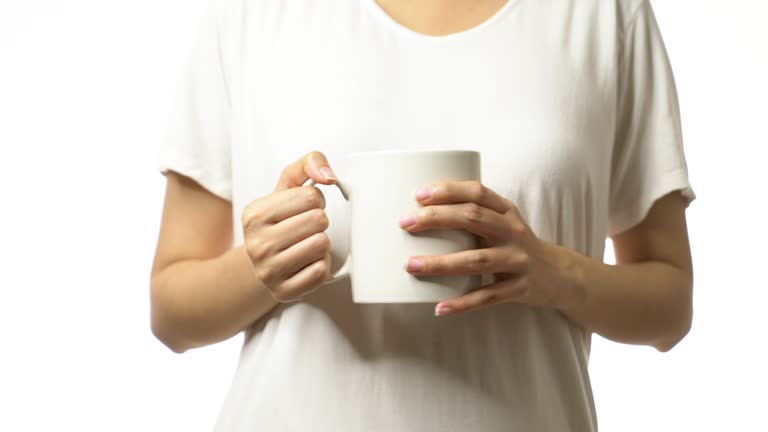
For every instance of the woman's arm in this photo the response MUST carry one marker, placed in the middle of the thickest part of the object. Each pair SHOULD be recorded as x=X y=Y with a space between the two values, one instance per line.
x=646 y=298
x=202 y=290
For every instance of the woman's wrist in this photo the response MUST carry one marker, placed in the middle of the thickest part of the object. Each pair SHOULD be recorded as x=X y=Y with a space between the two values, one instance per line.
x=571 y=268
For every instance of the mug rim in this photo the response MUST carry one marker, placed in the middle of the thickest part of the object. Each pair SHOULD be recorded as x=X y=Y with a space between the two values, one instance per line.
x=416 y=151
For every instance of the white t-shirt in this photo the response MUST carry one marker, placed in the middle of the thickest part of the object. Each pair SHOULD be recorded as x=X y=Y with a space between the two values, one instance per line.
x=573 y=107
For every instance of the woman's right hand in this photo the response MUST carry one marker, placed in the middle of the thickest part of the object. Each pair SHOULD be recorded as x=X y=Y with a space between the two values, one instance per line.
x=284 y=234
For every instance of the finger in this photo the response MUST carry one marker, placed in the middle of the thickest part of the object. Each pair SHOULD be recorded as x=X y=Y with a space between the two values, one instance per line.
x=297 y=256
x=499 y=292
x=313 y=165
x=461 y=192
x=282 y=205
x=476 y=261
x=302 y=283
x=467 y=216
x=297 y=228
x=301 y=287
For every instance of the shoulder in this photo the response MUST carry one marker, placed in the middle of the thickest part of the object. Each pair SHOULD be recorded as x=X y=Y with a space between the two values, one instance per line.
x=617 y=13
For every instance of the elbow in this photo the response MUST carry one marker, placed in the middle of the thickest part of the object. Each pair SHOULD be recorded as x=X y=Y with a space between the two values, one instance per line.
x=678 y=331
x=162 y=324
x=667 y=344
x=168 y=338
x=682 y=317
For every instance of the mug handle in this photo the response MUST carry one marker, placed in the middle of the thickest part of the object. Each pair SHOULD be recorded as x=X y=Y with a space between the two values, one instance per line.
x=346 y=268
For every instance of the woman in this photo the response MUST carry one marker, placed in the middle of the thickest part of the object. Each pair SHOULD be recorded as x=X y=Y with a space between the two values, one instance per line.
x=573 y=107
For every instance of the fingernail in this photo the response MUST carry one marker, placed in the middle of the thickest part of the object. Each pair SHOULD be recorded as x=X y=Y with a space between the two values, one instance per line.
x=423 y=193
x=327 y=173
x=407 y=221
x=415 y=264
x=442 y=310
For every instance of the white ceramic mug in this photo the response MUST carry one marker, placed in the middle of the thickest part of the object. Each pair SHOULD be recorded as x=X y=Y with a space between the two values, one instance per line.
x=380 y=187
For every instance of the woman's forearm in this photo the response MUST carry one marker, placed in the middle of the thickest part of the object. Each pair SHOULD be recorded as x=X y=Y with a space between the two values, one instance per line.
x=201 y=302
x=647 y=303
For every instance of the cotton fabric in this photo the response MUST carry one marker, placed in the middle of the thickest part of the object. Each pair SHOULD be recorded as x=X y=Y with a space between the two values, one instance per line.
x=573 y=107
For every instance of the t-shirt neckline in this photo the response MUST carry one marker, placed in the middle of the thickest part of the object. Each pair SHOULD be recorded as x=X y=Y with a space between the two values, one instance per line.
x=401 y=29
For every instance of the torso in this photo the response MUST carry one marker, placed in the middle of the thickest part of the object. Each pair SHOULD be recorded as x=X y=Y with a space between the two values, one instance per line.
x=534 y=95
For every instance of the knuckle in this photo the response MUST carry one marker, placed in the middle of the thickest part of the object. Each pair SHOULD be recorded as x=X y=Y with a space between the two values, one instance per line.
x=519 y=230
x=323 y=243
x=314 y=197
x=315 y=155
x=473 y=213
x=319 y=219
x=252 y=249
x=513 y=209
x=282 y=295
x=477 y=190
x=428 y=214
x=267 y=247
x=245 y=222
x=490 y=298
x=320 y=271
x=250 y=216
x=478 y=260
x=468 y=303
x=258 y=250
x=432 y=265
x=263 y=275
x=315 y=158
x=465 y=304
x=522 y=261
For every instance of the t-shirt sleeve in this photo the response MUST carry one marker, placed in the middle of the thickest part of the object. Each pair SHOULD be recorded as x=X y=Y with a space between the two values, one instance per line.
x=648 y=159
x=196 y=142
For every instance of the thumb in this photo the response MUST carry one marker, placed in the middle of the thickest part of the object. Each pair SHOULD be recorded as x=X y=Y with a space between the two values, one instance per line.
x=313 y=165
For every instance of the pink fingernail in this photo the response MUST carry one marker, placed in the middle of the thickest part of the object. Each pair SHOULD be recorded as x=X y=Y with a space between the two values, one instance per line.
x=407 y=221
x=415 y=264
x=442 y=310
x=327 y=173
x=424 y=193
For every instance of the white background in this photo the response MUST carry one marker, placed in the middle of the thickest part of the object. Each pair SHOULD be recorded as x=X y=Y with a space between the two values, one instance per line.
x=85 y=86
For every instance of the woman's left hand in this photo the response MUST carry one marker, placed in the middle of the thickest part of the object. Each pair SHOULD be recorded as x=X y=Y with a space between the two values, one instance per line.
x=526 y=269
